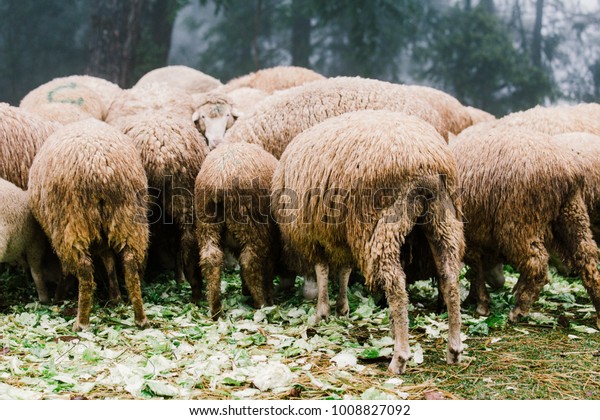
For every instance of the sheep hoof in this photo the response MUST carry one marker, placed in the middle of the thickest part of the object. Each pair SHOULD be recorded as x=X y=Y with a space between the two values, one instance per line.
x=319 y=318
x=78 y=327
x=495 y=277
x=496 y=284
x=322 y=314
x=514 y=315
x=342 y=310
x=143 y=324
x=469 y=300
x=180 y=278
x=483 y=309
x=44 y=300
x=215 y=313
x=453 y=356
x=196 y=298
x=114 y=302
x=397 y=365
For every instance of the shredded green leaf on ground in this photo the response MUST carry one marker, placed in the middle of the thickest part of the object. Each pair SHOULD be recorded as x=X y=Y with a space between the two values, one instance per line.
x=279 y=352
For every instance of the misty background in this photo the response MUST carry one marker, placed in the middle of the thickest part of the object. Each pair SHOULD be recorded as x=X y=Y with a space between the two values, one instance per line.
x=498 y=55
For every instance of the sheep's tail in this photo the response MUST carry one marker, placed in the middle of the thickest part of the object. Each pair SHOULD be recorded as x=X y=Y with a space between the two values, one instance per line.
x=428 y=203
x=390 y=231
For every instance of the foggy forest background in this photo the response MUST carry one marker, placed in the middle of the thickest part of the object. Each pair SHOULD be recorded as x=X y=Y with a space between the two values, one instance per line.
x=498 y=55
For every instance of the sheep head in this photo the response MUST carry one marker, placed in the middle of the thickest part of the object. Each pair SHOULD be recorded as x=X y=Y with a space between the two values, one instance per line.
x=214 y=117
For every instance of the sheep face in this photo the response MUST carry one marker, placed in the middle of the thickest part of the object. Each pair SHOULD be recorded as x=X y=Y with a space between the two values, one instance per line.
x=212 y=120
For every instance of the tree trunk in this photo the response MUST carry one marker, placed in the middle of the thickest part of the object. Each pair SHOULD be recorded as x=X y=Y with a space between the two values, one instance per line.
x=114 y=33
x=154 y=41
x=536 y=41
x=595 y=70
x=11 y=68
x=256 y=34
x=518 y=18
x=161 y=22
x=300 y=35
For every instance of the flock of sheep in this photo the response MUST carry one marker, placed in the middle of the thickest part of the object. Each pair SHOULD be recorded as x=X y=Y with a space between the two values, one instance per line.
x=296 y=174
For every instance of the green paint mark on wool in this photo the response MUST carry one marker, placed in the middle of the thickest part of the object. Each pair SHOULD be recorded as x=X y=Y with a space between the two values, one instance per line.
x=79 y=101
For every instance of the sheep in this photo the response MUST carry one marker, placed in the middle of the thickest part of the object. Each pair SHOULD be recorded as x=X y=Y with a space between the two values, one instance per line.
x=479 y=115
x=61 y=113
x=232 y=205
x=550 y=120
x=147 y=98
x=182 y=77
x=66 y=90
x=172 y=153
x=280 y=117
x=274 y=78
x=107 y=91
x=217 y=111
x=150 y=98
x=557 y=120
x=574 y=128
x=523 y=196
x=21 y=135
x=451 y=110
x=586 y=150
x=245 y=99
x=88 y=192
x=214 y=115
x=349 y=190
x=21 y=238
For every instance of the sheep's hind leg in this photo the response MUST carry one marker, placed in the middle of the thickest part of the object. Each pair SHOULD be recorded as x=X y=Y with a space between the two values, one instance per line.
x=268 y=270
x=531 y=260
x=211 y=261
x=132 y=269
x=576 y=244
x=108 y=259
x=35 y=256
x=494 y=275
x=257 y=275
x=191 y=264
x=393 y=279
x=323 y=309
x=341 y=304
x=60 y=293
x=445 y=238
x=386 y=271
x=478 y=293
x=179 y=272
x=84 y=271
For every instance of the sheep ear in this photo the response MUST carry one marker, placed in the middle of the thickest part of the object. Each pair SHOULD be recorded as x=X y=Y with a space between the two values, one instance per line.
x=198 y=122
x=235 y=113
